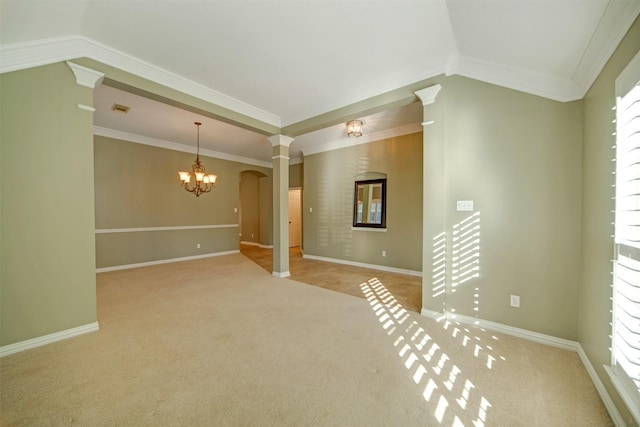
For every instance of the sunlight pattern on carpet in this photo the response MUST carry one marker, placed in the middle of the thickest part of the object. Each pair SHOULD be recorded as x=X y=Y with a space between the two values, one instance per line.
x=445 y=387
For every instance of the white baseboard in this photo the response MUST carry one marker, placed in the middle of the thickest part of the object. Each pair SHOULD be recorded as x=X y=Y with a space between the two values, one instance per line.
x=282 y=274
x=600 y=388
x=164 y=261
x=436 y=315
x=362 y=264
x=260 y=245
x=47 y=339
x=517 y=332
x=542 y=339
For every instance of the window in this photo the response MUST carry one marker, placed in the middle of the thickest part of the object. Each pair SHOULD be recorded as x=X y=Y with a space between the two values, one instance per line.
x=625 y=369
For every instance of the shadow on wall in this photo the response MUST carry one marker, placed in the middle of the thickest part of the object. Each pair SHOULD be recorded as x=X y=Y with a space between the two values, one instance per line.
x=465 y=261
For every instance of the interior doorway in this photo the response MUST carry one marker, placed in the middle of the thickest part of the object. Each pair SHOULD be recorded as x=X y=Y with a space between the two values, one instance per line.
x=295 y=214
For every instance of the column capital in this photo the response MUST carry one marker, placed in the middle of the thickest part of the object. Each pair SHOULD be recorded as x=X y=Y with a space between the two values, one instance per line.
x=280 y=140
x=428 y=94
x=86 y=76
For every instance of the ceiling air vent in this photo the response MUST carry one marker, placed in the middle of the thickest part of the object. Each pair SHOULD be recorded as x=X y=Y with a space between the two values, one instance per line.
x=120 y=108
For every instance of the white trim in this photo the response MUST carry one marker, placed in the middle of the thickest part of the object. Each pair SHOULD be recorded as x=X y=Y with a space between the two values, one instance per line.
x=280 y=157
x=19 y=56
x=507 y=330
x=428 y=94
x=542 y=339
x=86 y=76
x=516 y=332
x=86 y=108
x=435 y=315
x=365 y=265
x=376 y=229
x=260 y=245
x=628 y=78
x=434 y=68
x=164 y=261
x=623 y=392
x=602 y=391
x=283 y=140
x=545 y=85
x=364 y=139
x=281 y=275
x=145 y=140
x=48 y=339
x=181 y=227
x=613 y=26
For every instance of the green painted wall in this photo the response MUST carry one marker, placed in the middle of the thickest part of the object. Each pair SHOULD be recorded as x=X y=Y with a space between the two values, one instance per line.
x=329 y=185
x=518 y=157
x=595 y=290
x=296 y=175
x=253 y=207
x=265 y=188
x=136 y=186
x=48 y=279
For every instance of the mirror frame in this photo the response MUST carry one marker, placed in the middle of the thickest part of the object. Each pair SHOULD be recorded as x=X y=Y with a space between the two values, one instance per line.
x=383 y=218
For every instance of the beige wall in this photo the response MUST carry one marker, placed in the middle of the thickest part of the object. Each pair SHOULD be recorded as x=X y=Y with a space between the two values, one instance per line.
x=329 y=186
x=255 y=195
x=597 y=246
x=296 y=175
x=265 y=188
x=47 y=266
x=518 y=157
x=136 y=186
x=250 y=207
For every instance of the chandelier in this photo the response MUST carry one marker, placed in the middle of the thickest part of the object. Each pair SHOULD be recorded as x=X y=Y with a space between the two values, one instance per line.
x=203 y=182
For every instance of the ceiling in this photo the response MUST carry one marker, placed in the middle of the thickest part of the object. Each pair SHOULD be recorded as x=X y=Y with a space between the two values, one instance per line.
x=284 y=62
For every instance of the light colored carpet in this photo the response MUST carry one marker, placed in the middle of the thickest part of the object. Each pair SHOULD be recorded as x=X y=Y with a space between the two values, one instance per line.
x=221 y=342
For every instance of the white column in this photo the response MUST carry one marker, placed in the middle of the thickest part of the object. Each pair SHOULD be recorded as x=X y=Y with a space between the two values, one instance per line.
x=434 y=238
x=280 y=158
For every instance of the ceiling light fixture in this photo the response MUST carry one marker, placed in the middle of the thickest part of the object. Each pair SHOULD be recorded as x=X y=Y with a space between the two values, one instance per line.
x=354 y=128
x=204 y=182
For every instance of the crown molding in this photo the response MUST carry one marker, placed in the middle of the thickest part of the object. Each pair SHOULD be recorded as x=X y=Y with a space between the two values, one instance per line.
x=614 y=24
x=544 y=85
x=145 y=140
x=20 y=56
x=364 y=139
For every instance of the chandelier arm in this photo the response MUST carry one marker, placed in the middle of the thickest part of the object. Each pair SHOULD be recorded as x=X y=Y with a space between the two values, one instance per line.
x=205 y=184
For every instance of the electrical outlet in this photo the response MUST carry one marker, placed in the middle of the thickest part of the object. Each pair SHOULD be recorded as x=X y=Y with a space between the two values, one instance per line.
x=515 y=301
x=384 y=253
x=197 y=245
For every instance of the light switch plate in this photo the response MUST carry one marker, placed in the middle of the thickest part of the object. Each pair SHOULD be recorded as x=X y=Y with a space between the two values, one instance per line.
x=465 y=205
